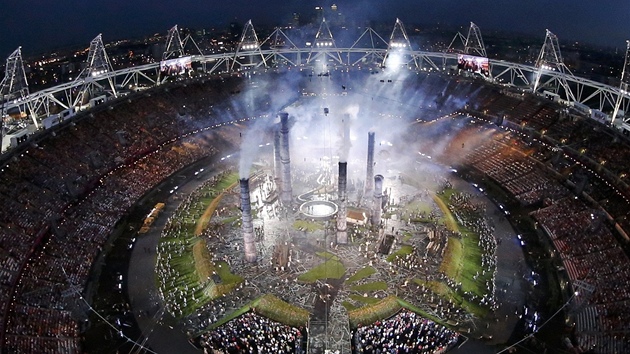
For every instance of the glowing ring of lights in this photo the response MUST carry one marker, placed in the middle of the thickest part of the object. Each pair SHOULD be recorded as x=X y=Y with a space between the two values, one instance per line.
x=319 y=209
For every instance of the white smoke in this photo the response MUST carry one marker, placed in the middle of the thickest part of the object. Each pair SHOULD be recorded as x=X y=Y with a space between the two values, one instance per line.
x=321 y=109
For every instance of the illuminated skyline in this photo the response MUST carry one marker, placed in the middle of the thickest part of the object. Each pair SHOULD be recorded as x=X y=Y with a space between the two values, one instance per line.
x=40 y=27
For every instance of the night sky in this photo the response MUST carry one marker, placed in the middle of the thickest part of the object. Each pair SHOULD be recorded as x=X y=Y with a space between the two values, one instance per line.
x=40 y=26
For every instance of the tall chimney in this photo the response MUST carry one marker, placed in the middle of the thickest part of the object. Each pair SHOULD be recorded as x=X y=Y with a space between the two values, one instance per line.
x=344 y=149
x=377 y=207
x=286 y=195
x=346 y=128
x=277 y=160
x=342 y=234
x=248 y=226
x=370 y=163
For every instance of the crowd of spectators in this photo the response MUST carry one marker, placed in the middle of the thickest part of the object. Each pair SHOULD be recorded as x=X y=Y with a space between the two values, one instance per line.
x=507 y=163
x=406 y=332
x=591 y=254
x=65 y=193
x=574 y=190
x=251 y=333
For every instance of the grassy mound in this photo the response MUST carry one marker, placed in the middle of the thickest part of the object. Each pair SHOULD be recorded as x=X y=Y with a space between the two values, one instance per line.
x=308 y=226
x=407 y=236
x=225 y=184
x=191 y=279
x=452 y=261
x=412 y=307
x=442 y=202
x=348 y=306
x=228 y=282
x=327 y=255
x=274 y=308
x=380 y=310
x=330 y=269
x=271 y=307
x=416 y=206
x=444 y=291
x=385 y=309
x=203 y=261
x=361 y=274
x=364 y=299
x=403 y=251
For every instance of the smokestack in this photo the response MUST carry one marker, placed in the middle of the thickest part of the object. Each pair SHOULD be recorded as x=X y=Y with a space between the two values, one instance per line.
x=277 y=160
x=344 y=146
x=377 y=208
x=370 y=163
x=248 y=226
x=286 y=195
x=342 y=234
x=346 y=128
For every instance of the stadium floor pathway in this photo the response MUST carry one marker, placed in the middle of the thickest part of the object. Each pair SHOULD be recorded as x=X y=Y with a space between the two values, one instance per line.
x=143 y=292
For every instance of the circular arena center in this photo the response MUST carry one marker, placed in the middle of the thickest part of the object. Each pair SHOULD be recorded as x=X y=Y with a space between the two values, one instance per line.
x=316 y=200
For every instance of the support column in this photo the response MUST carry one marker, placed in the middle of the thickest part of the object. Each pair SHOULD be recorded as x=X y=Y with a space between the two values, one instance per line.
x=342 y=227
x=286 y=195
x=377 y=208
x=247 y=223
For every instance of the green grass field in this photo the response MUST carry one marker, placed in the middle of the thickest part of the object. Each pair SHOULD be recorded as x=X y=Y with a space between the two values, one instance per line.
x=403 y=251
x=270 y=307
x=308 y=226
x=442 y=202
x=361 y=274
x=383 y=309
x=191 y=269
x=417 y=206
x=332 y=269
x=462 y=260
x=364 y=299
x=327 y=255
x=225 y=184
x=278 y=310
x=185 y=258
x=444 y=291
x=202 y=261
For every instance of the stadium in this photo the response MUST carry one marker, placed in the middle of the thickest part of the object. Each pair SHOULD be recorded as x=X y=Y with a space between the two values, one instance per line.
x=317 y=198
